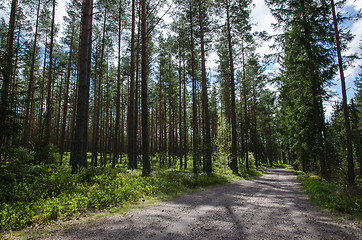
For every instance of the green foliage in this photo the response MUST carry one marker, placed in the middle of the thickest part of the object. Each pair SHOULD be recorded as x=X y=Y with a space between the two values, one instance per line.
x=332 y=196
x=47 y=193
x=45 y=153
x=252 y=172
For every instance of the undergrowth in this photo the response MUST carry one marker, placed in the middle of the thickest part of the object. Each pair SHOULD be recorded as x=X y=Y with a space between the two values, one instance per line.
x=45 y=193
x=334 y=196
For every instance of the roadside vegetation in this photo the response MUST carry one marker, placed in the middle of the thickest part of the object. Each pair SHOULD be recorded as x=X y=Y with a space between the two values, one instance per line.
x=335 y=196
x=38 y=194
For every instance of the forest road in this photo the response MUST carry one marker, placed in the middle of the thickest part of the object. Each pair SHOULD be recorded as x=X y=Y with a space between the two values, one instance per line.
x=269 y=207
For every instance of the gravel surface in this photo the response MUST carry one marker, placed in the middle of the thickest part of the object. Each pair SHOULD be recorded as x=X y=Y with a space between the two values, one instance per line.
x=269 y=207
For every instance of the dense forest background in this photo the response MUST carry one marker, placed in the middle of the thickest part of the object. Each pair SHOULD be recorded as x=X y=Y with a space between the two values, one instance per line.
x=121 y=87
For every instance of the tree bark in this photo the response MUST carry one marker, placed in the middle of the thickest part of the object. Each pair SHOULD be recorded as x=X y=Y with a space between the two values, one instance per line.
x=351 y=181
x=131 y=107
x=195 y=129
x=48 y=116
x=118 y=97
x=205 y=104
x=234 y=163
x=28 y=121
x=66 y=96
x=78 y=155
x=146 y=170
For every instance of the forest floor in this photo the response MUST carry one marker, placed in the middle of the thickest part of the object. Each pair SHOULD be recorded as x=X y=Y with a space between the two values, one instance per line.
x=269 y=207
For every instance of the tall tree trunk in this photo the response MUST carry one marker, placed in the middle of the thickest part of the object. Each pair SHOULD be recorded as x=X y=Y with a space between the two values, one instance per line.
x=78 y=156
x=95 y=121
x=195 y=129
x=180 y=111
x=118 y=97
x=145 y=114
x=30 y=94
x=7 y=71
x=234 y=162
x=246 y=117
x=184 y=119
x=56 y=141
x=131 y=105
x=137 y=109
x=98 y=97
x=40 y=119
x=66 y=96
x=205 y=104
x=255 y=129
x=351 y=181
x=48 y=117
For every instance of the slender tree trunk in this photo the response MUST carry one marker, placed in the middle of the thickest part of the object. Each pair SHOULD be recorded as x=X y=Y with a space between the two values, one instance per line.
x=98 y=98
x=40 y=121
x=184 y=119
x=48 y=116
x=118 y=97
x=195 y=129
x=255 y=129
x=146 y=170
x=207 y=138
x=66 y=96
x=7 y=71
x=30 y=94
x=246 y=117
x=59 y=111
x=234 y=162
x=78 y=156
x=137 y=119
x=351 y=181
x=131 y=105
x=180 y=111
x=122 y=125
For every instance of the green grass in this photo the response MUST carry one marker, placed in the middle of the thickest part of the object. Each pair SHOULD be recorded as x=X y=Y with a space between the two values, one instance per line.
x=43 y=194
x=332 y=196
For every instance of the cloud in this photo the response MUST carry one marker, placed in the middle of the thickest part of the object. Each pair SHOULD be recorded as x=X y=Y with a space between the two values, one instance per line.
x=262 y=20
x=356 y=3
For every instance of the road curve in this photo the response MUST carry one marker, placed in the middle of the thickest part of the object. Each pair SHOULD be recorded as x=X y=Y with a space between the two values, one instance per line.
x=269 y=207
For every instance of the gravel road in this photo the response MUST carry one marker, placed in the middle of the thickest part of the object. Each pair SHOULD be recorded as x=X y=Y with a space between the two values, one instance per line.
x=269 y=207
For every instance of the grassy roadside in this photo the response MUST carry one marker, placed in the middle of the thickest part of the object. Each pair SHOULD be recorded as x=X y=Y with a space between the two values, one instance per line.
x=337 y=197
x=58 y=195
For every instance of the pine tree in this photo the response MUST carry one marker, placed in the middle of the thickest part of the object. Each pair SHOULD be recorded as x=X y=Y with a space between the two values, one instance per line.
x=78 y=157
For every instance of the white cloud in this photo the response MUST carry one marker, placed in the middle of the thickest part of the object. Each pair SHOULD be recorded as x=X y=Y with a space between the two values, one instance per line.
x=262 y=20
x=356 y=3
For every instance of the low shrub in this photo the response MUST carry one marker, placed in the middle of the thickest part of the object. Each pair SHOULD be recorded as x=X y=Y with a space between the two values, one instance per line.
x=51 y=193
x=333 y=196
